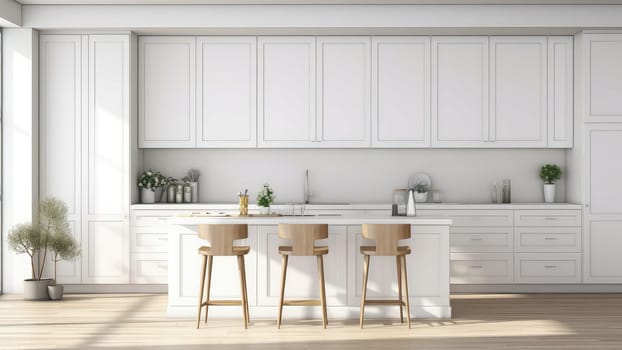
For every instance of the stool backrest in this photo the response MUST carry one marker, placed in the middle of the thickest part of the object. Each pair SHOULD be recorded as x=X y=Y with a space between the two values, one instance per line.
x=387 y=236
x=222 y=236
x=303 y=236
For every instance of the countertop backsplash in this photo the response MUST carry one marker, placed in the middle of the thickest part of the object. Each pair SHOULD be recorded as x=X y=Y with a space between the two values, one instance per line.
x=359 y=175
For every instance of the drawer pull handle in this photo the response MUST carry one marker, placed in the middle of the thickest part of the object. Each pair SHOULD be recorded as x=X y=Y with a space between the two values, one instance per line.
x=476 y=239
x=164 y=239
x=550 y=238
x=550 y=218
x=162 y=266
x=162 y=218
x=550 y=266
x=476 y=266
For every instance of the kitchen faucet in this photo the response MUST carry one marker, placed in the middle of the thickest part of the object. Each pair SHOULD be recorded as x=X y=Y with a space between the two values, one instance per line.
x=307 y=190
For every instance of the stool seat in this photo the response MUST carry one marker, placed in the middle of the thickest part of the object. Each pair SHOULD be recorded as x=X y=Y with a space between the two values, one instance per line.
x=241 y=250
x=287 y=250
x=371 y=250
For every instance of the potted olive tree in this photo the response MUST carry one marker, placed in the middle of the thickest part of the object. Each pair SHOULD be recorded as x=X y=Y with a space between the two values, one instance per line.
x=62 y=246
x=34 y=239
x=265 y=197
x=549 y=173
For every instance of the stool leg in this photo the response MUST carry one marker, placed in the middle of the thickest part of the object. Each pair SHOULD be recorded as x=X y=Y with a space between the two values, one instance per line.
x=364 y=292
x=405 y=278
x=201 y=284
x=283 y=277
x=242 y=297
x=210 y=262
x=320 y=272
x=398 y=262
x=248 y=314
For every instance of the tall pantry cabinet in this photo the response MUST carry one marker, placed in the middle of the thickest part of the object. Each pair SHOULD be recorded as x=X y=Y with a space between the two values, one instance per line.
x=85 y=150
x=595 y=169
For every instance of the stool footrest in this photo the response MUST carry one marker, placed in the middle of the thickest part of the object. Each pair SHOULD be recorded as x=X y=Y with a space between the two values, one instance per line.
x=384 y=302
x=304 y=302
x=222 y=303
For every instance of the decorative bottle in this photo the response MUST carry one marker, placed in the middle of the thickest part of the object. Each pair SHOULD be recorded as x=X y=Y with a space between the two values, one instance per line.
x=410 y=207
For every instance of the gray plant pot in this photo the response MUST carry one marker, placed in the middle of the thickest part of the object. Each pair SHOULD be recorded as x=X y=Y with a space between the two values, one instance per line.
x=36 y=290
x=56 y=292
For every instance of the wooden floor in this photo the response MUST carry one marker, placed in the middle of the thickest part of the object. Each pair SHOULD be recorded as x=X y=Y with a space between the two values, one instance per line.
x=569 y=321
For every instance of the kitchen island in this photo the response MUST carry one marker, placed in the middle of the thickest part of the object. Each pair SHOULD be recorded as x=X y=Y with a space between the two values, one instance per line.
x=428 y=268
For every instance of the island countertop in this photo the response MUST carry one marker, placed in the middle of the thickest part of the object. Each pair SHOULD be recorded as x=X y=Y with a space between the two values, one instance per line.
x=198 y=219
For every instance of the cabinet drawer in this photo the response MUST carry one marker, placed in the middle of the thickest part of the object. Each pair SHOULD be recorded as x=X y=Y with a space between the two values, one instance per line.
x=476 y=218
x=547 y=218
x=150 y=218
x=548 y=268
x=149 y=239
x=481 y=239
x=547 y=239
x=149 y=268
x=481 y=268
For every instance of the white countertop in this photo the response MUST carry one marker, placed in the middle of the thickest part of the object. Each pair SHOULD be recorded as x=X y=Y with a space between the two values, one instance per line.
x=317 y=219
x=363 y=206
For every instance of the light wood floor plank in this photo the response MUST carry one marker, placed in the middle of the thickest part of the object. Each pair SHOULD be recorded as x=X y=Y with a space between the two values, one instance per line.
x=138 y=321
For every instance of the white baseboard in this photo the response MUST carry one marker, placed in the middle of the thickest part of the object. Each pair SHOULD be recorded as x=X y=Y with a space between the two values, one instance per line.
x=301 y=312
x=115 y=288
x=536 y=288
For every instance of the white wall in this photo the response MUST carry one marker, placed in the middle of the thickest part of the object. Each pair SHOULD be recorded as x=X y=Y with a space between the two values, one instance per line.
x=358 y=175
x=20 y=71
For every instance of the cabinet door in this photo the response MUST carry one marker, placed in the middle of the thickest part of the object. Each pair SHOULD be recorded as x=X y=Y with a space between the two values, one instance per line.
x=460 y=92
x=560 y=92
x=343 y=91
x=106 y=162
x=602 y=260
x=603 y=84
x=400 y=91
x=286 y=99
x=226 y=91
x=604 y=171
x=518 y=86
x=166 y=92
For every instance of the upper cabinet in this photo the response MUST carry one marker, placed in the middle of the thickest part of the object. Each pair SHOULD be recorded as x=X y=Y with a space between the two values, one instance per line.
x=603 y=84
x=518 y=91
x=226 y=91
x=286 y=93
x=460 y=92
x=400 y=91
x=343 y=91
x=166 y=92
x=362 y=91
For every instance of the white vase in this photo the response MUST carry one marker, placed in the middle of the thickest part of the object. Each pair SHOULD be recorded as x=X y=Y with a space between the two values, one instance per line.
x=411 y=210
x=147 y=196
x=264 y=210
x=549 y=193
x=421 y=197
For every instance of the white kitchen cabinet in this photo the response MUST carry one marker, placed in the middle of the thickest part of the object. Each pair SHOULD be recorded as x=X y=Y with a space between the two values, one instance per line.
x=518 y=91
x=481 y=239
x=60 y=149
x=105 y=162
x=560 y=92
x=400 y=91
x=302 y=280
x=547 y=268
x=343 y=91
x=286 y=92
x=226 y=91
x=166 y=92
x=602 y=59
x=460 y=92
x=149 y=268
x=482 y=268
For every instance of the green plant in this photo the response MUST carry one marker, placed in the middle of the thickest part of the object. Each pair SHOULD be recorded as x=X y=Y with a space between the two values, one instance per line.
x=63 y=247
x=550 y=173
x=266 y=196
x=152 y=179
x=421 y=188
x=34 y=239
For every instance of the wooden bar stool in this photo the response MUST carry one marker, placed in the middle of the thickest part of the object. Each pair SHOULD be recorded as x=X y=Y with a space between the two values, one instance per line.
x=221 y=239
x=303 y=237
x=387 y=244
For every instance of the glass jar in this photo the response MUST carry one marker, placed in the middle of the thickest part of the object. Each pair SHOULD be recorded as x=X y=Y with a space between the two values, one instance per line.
x=400 y=200
x=187 y=193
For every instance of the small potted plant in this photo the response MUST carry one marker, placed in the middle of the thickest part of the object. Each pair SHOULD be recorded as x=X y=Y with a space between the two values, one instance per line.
x=421 y=193
x=265 y=197
x=549 y=173
x=150 y=181
x=34 y=239
x=63 y=247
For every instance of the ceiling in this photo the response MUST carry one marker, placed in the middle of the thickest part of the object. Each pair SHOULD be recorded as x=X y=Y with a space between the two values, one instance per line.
x=334 y=2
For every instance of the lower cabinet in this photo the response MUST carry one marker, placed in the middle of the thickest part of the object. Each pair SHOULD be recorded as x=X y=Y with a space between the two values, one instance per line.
x=105 y=252
x=481 y=268
x=602 y=259
x=547 y=268
x=149 y=268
